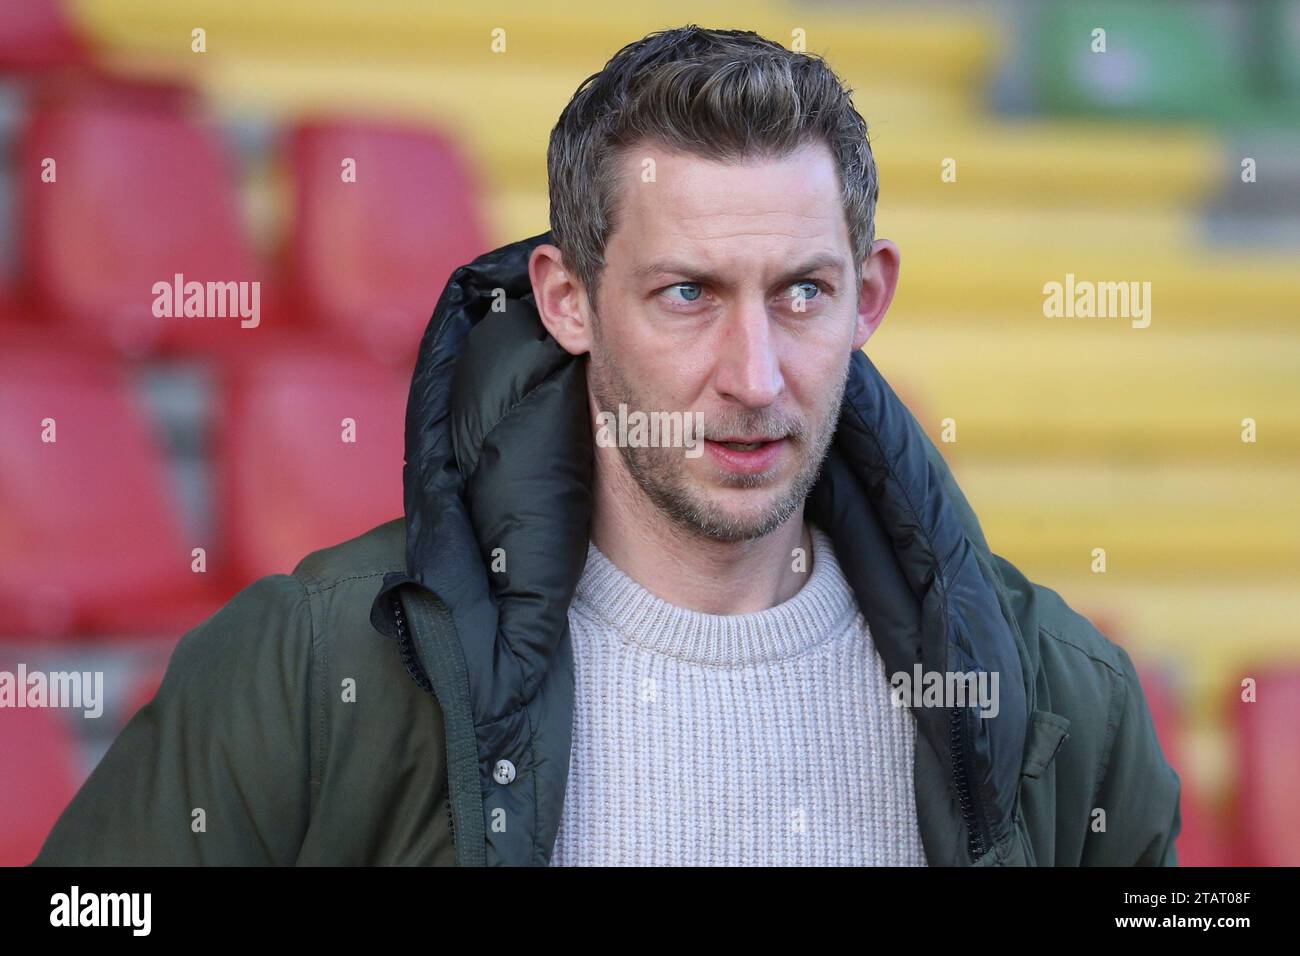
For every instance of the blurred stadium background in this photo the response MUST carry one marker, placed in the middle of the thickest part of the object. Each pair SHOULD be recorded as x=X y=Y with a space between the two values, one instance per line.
x=176 y=434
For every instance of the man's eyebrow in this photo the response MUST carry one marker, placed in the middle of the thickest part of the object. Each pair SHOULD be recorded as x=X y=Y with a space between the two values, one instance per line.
x=695 y=274
x=815 y=264
x=667 y=267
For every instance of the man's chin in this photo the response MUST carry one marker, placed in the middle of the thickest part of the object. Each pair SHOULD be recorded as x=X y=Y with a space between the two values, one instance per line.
x=732 y=514
x=721 y=507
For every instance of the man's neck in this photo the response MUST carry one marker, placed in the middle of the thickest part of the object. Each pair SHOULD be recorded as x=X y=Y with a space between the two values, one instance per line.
x=689 y=569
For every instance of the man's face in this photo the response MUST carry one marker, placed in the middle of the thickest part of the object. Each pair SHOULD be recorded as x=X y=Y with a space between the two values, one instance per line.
x=728 y=290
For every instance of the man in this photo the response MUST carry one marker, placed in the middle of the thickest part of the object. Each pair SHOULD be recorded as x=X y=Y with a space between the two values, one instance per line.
x=778 y=639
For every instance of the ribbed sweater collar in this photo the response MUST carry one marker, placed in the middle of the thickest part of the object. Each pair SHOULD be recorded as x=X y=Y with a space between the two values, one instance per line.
x=822 y=608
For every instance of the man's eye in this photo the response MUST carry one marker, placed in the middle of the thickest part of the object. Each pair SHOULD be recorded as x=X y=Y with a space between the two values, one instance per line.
x=804 y=290
x=690 y=291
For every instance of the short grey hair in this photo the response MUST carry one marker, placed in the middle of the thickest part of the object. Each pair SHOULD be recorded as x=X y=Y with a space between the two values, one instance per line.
x=725 y=95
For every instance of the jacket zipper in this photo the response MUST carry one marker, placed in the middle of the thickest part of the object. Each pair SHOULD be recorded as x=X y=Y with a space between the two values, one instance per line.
x=976 y=843
x=409 y=660
x=414 y=668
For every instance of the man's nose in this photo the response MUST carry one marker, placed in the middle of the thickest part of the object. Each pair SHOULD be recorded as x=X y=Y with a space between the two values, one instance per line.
x=748 y=369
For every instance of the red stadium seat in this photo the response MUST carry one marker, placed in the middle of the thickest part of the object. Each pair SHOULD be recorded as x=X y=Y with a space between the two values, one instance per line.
x=38 y=34
x=10 y=310
x=42 y=773
x=1200 y=840
x=290 y=484
x=369 y=258
x=1268 y=751
x=94 y=86
x=90 y=541
x=142 y=195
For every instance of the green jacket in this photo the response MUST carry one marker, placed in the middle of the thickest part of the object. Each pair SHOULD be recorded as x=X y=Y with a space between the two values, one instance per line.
x=354 y=711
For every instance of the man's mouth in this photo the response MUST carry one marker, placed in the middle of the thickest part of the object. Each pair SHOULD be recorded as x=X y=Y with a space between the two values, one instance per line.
x=746 y=454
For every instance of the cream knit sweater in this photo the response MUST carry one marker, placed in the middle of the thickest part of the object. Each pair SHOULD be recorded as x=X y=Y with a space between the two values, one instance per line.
x=750 y=739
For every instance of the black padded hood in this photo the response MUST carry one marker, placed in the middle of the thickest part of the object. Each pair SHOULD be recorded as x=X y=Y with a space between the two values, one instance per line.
x=497 y=480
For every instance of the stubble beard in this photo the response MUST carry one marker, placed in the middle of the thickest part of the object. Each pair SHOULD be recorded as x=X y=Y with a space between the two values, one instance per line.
x=662 y=475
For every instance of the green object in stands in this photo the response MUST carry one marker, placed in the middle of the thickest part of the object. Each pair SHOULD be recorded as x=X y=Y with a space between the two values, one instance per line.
x=1161 y=60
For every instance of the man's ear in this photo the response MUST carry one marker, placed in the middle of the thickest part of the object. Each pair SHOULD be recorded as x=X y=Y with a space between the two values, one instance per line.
x=879 y=281
x=561 y=299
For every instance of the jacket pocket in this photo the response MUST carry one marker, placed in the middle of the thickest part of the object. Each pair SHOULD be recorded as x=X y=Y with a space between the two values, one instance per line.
x=1047 y=732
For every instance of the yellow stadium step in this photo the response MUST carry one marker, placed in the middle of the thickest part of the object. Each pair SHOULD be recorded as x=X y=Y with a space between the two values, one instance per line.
x=1074 y=227
x=1014 y=279
x=515 y=213
x=956 y=49
x=1151 y=518
x=1049 y=389
x=1051 y=162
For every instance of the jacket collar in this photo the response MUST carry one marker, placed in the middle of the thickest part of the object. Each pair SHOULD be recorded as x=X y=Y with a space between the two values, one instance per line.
x=498 y=502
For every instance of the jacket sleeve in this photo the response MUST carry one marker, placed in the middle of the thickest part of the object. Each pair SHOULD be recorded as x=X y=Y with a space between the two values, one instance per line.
x=1138 y=788
x=216 y=769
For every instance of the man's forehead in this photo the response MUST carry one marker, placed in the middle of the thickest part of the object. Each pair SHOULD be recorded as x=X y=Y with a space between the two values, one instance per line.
x=673 y=200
